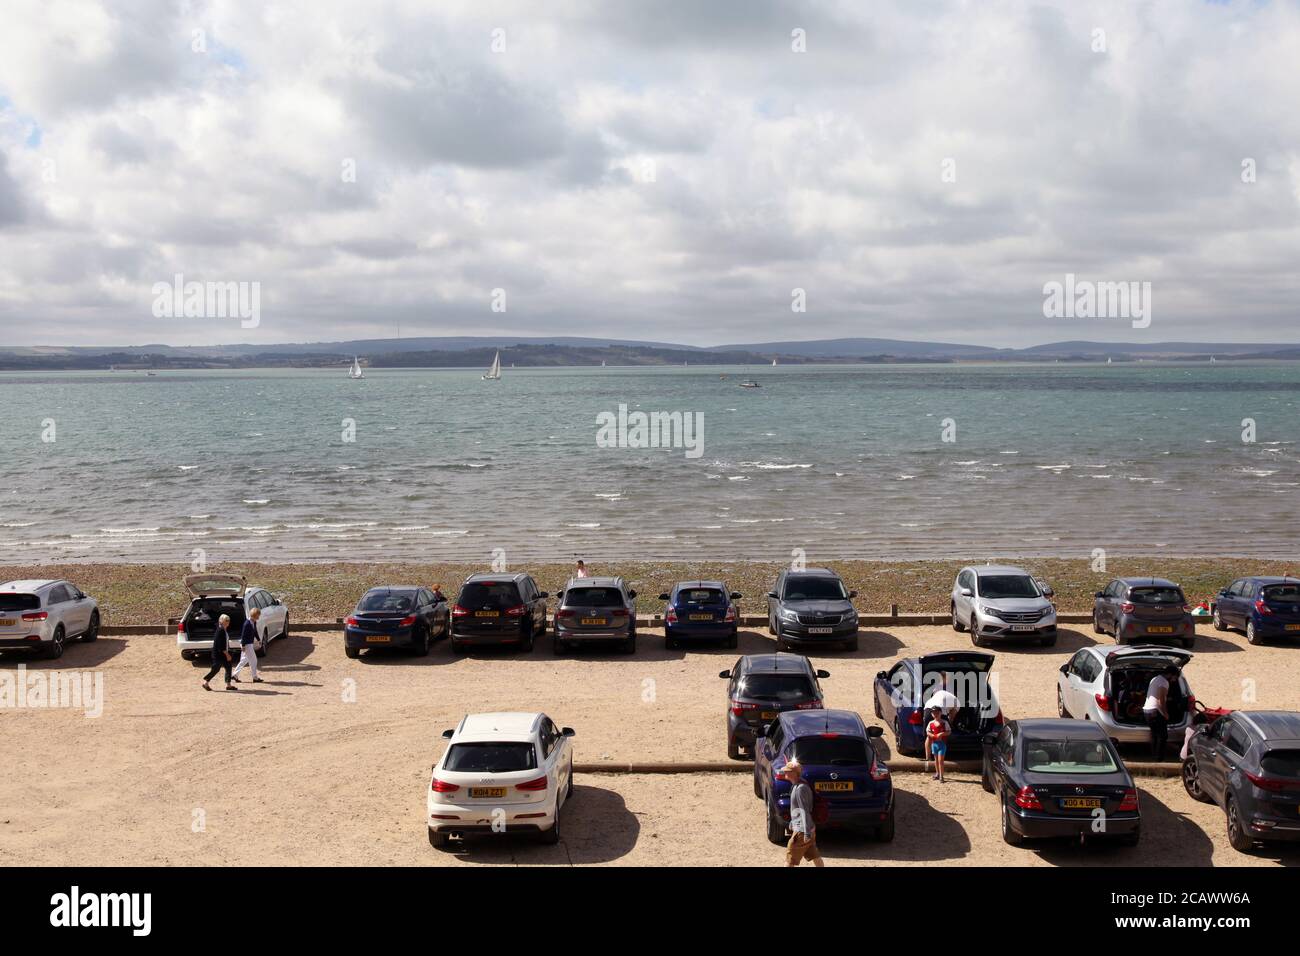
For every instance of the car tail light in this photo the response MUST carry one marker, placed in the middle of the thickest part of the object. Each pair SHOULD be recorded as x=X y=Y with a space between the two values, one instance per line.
x=731 y=614
x=351 y=621
x=828 y=736
x=1026 y=799
x=738 y=708
x=180 y=628
x=1130 y=802
x=532 y=785
x=809 y=705
x=879 y=771
x=1191 y=703
x=442 y=786
x=1260 y=606
x=566 y=612
x=670 y=616
x=458 y=611
x=915 y=718
x=999 y=719
x=518 y=610
x=1127 y=607
x=36 y=616
x=1267 y=783
x=619 y=612
x=1103 y=702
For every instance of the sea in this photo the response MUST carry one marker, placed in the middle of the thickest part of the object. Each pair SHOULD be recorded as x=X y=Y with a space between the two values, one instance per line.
x=817 y=463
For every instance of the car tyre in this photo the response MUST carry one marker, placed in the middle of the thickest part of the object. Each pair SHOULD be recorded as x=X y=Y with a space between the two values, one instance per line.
x=852 y=643
x=422 y=643
x=1130 y=839
x=629 y=645
x=1048 y=641
x=568 y=791
x=671 y=642
x=457 y=647
x=771 y=628
x=1252 y=635
x=266 y=642
x=733 y=749
x=352 y=652
x=1218 y=621
x=92 y=630
x=284 y=631
x=1192 y=781
x=957 y=625
x=557 y=647
x=529 y=640
x=1061 y=710
x=1237 y=836
x=885 y=832
x=975 y=637
x=55 y=650
x=986 y=781
x=1096 y=624
x=1009 y=835
x=551 y=835
x=775 y=826
x=437 y=840
x=758 y=787
x=733 y=639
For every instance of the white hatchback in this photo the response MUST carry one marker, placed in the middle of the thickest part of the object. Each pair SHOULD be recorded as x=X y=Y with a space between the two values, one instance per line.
x=42 y=616
x=212 y=595
x=501 y=773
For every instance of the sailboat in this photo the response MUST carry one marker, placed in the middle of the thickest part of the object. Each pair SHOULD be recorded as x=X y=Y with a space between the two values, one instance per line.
x=355 y=370
x=1212 y=359
x=773 y=363
x=1108 y=362
x=494 y=373
x=602 y=363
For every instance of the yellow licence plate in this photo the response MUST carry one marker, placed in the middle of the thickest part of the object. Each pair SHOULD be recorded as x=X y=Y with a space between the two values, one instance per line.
x=1081 y=803
x=377 y=639
x=7 y=622
x=488 y=793
x=594 y=620
x=701 y=617
x=487 y=613
x=1160 y=629
x=1289 y=627
x=769 y=715
x=835 y=786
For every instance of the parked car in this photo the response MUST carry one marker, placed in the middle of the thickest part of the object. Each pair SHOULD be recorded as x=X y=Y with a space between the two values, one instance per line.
x=902 y=692
x=1150 y=610
x=1248 y=762
x=212 y=595
x=811 y=608
x=595 y=610
x=851 y=785
x=498 y=610
x=41 y=616
x=701 y=610
x=1108 y=685
x=1262 y=607
x=501 y=773
x=997 y=601
x=760 y=688
x=408 y=617
x=1059 y=778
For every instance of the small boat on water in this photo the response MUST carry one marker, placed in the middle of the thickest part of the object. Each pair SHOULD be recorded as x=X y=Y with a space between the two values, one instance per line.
x=493 y=374
x=773 y=363
x=750 y=383
x=355 y=370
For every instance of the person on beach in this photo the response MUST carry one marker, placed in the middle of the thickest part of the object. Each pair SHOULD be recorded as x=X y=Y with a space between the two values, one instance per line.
x=248 y=647
x=582 y=568
x=937 y=732
x=220 y=653
x=803 y=829
x=1156 y=710
x=437 y=593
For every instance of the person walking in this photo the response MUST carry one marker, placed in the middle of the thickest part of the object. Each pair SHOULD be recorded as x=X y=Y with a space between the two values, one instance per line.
x=937 y=732
x=248 y=647
x=803 y=829
x=220 y=653
x=1156 y=710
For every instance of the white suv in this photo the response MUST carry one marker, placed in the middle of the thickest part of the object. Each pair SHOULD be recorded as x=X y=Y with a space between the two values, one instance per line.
x=42 y=616
x=212 y=595
x=501 y=773
x=998 y=601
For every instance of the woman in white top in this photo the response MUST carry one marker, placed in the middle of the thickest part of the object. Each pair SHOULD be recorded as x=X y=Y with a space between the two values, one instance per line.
x=1156 y=709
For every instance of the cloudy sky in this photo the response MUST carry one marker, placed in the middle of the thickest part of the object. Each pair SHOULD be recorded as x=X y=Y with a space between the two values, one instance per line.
x=668 y=170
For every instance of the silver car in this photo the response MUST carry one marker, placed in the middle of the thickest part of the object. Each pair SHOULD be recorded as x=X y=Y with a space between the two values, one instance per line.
x=996 y=601
x=1108 y=685
x=42 y=616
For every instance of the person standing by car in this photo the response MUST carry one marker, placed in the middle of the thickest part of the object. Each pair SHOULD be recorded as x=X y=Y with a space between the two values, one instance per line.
x=937 y=732
x=1156 y=709
x=582 y=569
x=803 y=829
x=438 y=596
x=248 y=647
x=220 y=653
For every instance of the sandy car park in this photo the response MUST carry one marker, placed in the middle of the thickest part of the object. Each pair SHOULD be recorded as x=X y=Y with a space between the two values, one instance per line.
x=328 y=761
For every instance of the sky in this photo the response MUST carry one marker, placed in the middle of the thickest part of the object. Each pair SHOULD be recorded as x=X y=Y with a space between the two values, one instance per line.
x=670 y=171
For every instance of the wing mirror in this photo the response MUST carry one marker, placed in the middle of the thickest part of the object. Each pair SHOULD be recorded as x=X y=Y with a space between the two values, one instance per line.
x=821 y=674
x=875 y=731
x=448 y=733
x=1047 y=589
x=1065 y=668
x=663 y=597
x=967 y=592
x=631 y=594
x=881 y=675
x=852 y=595
x=1100 y=594
x=725 y=675
x=736 y=595
x=567 y=731
x=543 y=594
x=773 y=595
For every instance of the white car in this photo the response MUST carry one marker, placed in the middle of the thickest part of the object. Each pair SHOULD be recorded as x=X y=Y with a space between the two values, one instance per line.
x=501 y=773
x=212 y=595
x=1108 y=685
x=42 y=616
x=998 y=602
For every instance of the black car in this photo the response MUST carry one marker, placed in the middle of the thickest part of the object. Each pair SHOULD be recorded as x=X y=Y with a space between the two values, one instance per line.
x=407 y=617
x=1248 y=762
x=812 y=607
x=1060 y=778
x=498 y=610
x=1143 y=611
x=763 y=686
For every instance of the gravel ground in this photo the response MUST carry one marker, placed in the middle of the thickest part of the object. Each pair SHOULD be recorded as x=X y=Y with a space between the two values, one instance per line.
x=327 y=763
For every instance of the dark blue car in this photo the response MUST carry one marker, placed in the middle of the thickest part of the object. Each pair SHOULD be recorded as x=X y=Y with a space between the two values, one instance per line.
x=851 y=785
x=902 y=692
x=1262 y=607
x=701 y=610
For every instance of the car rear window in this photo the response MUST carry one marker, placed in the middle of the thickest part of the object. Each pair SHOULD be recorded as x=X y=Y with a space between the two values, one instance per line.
x=19 y=602
x=497 y=595
x=1282 y=763
x=701 y=596
x=1050 y=755
x=814 y=588
x=387 y=601
x=491 y=757
x=835 y=751
x=1007 y=586
x=1288 y=593
x=593 y=597
x=778 y=687
x=1156 y=596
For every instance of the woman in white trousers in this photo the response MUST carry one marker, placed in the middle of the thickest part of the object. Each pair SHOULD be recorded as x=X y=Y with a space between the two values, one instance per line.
x=248 y=647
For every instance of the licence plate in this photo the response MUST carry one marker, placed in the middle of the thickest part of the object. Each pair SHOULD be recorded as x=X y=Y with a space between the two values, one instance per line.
x=594 y=620
x=834 y=786
x=769 y=715
x=494 y=793
x=1160 y=629
x=820 y=630
x=1081 y=803
x=377 y=639
x=1023 y=627
x=701 y=617
x=1289 y=627
x=7 y=622
x=487 y=613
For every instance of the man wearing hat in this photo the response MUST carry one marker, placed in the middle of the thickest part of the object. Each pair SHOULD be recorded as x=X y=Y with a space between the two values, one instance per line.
x=803 y=830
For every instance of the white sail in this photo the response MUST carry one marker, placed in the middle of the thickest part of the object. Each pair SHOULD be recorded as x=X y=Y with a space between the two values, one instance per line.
x=355 y=370
x=494 y=373
x=773 y=363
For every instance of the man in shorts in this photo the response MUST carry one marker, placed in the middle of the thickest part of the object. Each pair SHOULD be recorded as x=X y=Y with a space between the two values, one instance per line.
x=803 y=830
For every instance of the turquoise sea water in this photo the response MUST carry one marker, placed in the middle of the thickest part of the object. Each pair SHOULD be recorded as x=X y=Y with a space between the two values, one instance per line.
x=843 y=462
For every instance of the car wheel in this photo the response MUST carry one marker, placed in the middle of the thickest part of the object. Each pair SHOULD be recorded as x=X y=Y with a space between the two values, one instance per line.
x=266 y=642
x=758 y=787
x=629 y=645
x=284 y=631
x=771 y=628
x=775 y=826
x=975 y=637
x=957 y=625
x=1237 y=835
x=1009 y=835
x=1218 y=621
x=457 y=647
x=1096 y=624
x=852 y=643
x=733 y=749
x=986 y=781
x=529 y=640
x=437 y=840
x=670 y=642
x=352 y=652
x=885 y=832
x=557 y=647
x=1048 y=641
x=422 y=643
x=1189 y=643
x=568 y=791
x=1192 y=781
x=92 y=631
x=1252 y=635
x=551 y=835
x=1130 y=839
x=733 y=640
x=55 y=650
x=1061 y=710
